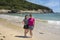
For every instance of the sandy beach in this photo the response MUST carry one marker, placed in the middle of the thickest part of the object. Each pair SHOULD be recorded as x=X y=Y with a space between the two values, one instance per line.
x=11 y=30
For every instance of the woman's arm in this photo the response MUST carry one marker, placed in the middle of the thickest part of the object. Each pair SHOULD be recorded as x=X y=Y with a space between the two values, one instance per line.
x=23 y=22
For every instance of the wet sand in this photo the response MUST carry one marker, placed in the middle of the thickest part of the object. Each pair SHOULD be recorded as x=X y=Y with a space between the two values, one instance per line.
x=14 y=31
x=11 y=31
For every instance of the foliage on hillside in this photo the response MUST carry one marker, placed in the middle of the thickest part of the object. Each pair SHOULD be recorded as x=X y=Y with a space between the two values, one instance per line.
x=21 y=5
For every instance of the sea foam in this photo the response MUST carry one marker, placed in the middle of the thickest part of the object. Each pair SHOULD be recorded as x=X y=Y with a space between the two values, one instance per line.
x=18 y=19
x=11 y=18
x=54 y=22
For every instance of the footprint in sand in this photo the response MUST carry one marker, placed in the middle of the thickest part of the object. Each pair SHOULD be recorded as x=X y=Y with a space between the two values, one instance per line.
x=41 y=33
x=0 y=33
x=1 y=39
x=3 y=36
x=11 y=34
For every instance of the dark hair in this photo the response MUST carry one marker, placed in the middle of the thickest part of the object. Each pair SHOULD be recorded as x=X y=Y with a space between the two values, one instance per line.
x=30 y=15
x=25 y=16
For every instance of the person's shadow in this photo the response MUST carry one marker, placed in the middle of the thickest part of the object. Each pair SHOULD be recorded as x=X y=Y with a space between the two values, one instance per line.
x=23 y=36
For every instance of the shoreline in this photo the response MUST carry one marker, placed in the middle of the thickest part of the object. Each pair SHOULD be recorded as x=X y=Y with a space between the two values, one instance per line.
x=42 y=30
x=18 y=19
x=10 y=31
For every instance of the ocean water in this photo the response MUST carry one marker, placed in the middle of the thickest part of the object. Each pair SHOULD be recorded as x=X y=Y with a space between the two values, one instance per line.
x=48 y=16
x=52 y=18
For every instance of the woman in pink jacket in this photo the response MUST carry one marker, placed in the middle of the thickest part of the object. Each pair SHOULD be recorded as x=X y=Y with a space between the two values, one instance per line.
x=31 y=22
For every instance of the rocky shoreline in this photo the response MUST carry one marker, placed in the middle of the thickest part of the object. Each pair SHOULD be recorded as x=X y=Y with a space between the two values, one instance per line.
x=2 y=11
